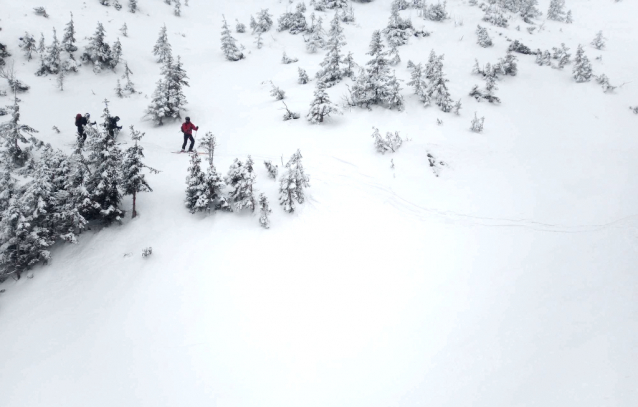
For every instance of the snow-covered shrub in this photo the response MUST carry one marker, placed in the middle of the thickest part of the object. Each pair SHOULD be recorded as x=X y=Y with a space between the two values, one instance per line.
x=147 y=251
x=390 y=143
x=562 y=55
x=290 y=115
x=295 y=23
x=240 y=27
x=477 y=124
x=435 y=12
x=277 y=93
x=603 y=80
x=28 y=45
x=285 y=59
x=41 y=11
x=399 y=30
x=519 y=47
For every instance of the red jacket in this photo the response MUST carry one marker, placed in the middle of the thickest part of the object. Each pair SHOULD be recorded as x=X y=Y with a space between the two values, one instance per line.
x=188 y=127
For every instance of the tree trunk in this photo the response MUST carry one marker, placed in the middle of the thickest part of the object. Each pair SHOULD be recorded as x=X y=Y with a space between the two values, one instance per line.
x=134 y=212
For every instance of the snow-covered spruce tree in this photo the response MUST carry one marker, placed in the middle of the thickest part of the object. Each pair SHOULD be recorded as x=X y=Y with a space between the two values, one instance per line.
x=395 y=58
x=375 y=85
x=168 y=99
x=331 y=72
x=569 y=18
x=321 y=106
x=543 y=58
x=129 y=86
x=562 y=55
x=116 y=54
x=55 y=170
x=41 y=45
x=50 y=62
x=435 y=12
x=214 y=181
x=61 y=77
x=263 y=23
x=347 y=14
x=133 y=179
x=240 y=27
x=24 y=235
x=11 y=134
x=483 y=38
x=28 y=45
x=3 y=54
x=104 y=182
x=528 y=9
x=264 y=211
x=494 y=15
x=162 y=49
x=99 y=53
x=272 y=169
x=197 y=192
x=317 y=37
x=295 y=22
x=398 y=30
x=229 y=48
x=418 y=83
x=177 y=10
x=132 y=6
x=258 y=41
x=241 y=179
x=599 y=41
x=349 y=66
x=277 y=93
x=582 y=71
x=556 y=10
x=68 y=39
x=303 y=76
x=7 y=190
x=124 y=30
x=477 y=124
x=437 y=89
x=292 y=183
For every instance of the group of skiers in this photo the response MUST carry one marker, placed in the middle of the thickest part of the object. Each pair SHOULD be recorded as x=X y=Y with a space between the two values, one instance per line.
x=111 y=125
x=82 y=121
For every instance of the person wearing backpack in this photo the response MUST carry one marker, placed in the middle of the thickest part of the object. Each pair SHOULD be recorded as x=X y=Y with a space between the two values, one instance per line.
x=111 y=125
x=187 y=129
x=80 y=122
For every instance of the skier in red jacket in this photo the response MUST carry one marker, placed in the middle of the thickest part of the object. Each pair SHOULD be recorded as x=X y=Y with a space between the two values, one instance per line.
x=187 y=129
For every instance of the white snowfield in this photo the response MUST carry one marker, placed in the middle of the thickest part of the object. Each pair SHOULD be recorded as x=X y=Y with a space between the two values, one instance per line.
x=509 y=280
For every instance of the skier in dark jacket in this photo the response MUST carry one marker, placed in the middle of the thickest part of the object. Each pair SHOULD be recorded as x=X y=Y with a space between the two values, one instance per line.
x=80 y=123
x=187 y=129
x=111 y=125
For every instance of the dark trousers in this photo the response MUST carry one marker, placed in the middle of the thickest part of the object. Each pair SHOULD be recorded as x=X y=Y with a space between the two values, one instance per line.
x=81 y=133
x=186 y=138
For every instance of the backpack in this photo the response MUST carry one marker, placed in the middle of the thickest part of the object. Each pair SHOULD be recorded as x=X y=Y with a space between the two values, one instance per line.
x=78 y=117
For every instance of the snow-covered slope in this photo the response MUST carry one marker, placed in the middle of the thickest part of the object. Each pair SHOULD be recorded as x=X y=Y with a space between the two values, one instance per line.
x=509 y=280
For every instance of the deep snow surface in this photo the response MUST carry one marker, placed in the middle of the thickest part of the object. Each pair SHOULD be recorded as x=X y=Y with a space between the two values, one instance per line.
x=510 y=280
